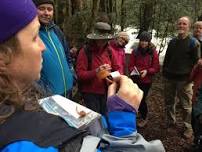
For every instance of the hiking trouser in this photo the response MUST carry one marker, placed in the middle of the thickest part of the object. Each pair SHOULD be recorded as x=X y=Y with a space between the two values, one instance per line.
x=143 y=109
x=196 y=122
x=182 y=90
x=95 y=102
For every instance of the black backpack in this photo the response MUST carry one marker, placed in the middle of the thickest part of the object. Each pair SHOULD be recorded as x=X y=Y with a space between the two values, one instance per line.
x=88 y=53
x=43 y=129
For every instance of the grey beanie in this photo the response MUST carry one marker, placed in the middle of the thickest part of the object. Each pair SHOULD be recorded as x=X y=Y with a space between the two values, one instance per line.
x=145 y=36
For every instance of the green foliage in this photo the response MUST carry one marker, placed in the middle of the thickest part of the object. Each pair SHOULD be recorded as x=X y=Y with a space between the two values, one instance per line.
x=162 y=18
x=165 y=13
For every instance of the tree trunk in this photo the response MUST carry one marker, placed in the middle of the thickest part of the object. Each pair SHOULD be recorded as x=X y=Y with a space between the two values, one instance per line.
x=200 y=18
x=103 y=6
x=71 y=21
x=56 y=14
x=77 y=5
x=94 y=13
x=123 y=14
x=146 y=13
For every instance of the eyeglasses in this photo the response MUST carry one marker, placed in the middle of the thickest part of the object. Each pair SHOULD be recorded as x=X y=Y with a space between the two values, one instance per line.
x=123 y=40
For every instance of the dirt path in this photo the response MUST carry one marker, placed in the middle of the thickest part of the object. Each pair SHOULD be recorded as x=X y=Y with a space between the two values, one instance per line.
x=156 y=128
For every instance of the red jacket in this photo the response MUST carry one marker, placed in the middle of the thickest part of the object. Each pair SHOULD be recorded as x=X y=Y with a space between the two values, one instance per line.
x=90 y=82
x=196 y=77
x=119 y=53
x=144 y=62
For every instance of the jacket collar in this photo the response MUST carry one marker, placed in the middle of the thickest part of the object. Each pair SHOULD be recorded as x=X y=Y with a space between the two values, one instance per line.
x=49 y=26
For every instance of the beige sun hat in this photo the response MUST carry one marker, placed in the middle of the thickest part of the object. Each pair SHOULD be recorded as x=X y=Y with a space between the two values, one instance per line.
x=101 y=32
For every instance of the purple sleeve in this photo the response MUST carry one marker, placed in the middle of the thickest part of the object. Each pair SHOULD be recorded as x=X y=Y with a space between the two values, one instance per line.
x=115 y=103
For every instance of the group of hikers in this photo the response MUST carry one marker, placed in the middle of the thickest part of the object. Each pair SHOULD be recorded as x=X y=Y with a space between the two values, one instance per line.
x=35 y=62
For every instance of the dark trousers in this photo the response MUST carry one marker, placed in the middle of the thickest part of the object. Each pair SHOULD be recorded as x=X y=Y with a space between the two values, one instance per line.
x=143 y=105
x=95 y=102
x=197 y=129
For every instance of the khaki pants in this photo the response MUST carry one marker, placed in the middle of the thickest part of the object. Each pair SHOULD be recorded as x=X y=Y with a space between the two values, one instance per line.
x=182 y=90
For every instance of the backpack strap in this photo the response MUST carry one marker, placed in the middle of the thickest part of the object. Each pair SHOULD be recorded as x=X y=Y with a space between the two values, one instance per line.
x=135 y=51
x=109 y=51
x=192 y=42
x=151 y=57
x=88 y=53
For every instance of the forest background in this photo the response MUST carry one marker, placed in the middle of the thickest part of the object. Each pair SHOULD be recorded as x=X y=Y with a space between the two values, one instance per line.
x=77 y=17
